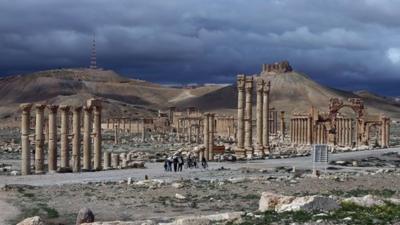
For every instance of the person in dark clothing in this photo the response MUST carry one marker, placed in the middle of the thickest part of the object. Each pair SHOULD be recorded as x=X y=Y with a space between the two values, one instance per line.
x=180 y=163
x=166 y=165
x=169 y=164
x=204 y=163
x=175 y=160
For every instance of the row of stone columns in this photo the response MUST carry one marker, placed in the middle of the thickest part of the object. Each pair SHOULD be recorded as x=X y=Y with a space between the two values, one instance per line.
x=39 y=157
x=301 y=130
x=225 y=126
x=242 y=108
x=244 y=138
x=344 y=131
x=262 y=117
x=209 y=130
x=125 y=125
x=273 y=122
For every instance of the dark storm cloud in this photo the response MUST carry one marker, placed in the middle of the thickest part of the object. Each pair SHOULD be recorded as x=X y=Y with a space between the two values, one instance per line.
x=348 y=44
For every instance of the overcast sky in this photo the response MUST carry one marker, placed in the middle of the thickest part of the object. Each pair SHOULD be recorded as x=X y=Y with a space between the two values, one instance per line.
x=346 y=44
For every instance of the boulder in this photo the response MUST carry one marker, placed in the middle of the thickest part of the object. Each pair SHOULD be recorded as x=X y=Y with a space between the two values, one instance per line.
x=269 y=201
x=313 y=203
x=85 y=215
x=366 y=201
x=36 y=220
x=145 y=222
x=207 y=219
x=177 y=185
x=282 y=203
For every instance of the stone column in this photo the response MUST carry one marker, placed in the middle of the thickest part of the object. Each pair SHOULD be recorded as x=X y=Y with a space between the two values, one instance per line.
x=87 y=140
x=259 y=117
x=143 y=131
x=64 y=165
x=297 y=125
x=206 y=125
x=190 y=132
x=309 y=130
x=39 y=139
x=211 y=127
x=115 y=160
x=291 y=130
x=282 y=125
x=107 y=160
x=26 y=152
x=97 y=136
x=52 y=150
x=266 y=112
x=76 y=141
x=240 y=120
x=385 y=129
x=248 y=141
x=115 y=135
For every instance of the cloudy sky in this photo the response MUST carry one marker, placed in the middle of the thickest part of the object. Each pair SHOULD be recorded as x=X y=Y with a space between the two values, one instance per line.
x=346 y=44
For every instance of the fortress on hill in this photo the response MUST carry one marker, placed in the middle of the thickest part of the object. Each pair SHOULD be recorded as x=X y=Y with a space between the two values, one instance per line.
x=278 y=67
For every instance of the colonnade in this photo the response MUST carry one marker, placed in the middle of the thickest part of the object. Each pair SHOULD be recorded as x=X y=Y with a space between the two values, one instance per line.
x=244 y=146
x=92 y=111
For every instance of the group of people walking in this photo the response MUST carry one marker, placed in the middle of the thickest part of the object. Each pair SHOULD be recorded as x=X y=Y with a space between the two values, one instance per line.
x=177 y=162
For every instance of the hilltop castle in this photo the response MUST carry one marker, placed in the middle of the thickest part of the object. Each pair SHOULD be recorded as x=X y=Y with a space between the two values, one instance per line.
x=278 y=67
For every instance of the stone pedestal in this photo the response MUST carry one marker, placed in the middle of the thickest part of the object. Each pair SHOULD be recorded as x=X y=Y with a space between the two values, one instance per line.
x=26 y=152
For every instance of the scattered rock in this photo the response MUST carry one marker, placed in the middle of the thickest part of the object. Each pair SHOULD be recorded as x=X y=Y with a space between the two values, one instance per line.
x=36 y=220
x=179 y=196
x=177 y=185
x=85 y=215
x=281 y=203
x=366 y=201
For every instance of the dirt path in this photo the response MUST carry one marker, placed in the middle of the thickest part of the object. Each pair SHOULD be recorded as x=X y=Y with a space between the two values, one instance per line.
x=156 y=170
x=7 y=211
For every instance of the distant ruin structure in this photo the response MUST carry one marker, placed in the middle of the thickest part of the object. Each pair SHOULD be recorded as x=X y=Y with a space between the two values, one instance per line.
x=278 y=67
x=334 y=129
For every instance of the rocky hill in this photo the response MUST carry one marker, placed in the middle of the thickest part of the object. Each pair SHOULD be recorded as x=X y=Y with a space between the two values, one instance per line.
x=290 y=91
x=121 y=96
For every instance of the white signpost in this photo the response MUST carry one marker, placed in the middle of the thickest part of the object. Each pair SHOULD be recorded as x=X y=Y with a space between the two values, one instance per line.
x=320 y=156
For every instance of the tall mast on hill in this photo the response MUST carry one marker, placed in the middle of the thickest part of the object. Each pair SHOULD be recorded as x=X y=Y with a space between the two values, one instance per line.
x=93 y=63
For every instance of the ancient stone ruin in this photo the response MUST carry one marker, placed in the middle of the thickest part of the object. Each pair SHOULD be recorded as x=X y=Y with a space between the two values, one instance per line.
x=276 y=68
x=335 y=129
x=92 y=133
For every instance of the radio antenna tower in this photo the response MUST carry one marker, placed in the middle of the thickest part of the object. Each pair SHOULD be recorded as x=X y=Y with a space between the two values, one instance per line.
x=93 y=63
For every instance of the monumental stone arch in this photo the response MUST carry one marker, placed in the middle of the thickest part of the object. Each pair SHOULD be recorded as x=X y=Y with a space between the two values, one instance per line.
x=335 y=105
x=336 y=129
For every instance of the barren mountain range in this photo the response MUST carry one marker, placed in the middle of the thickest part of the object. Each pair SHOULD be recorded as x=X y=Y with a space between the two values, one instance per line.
x=290 y=91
